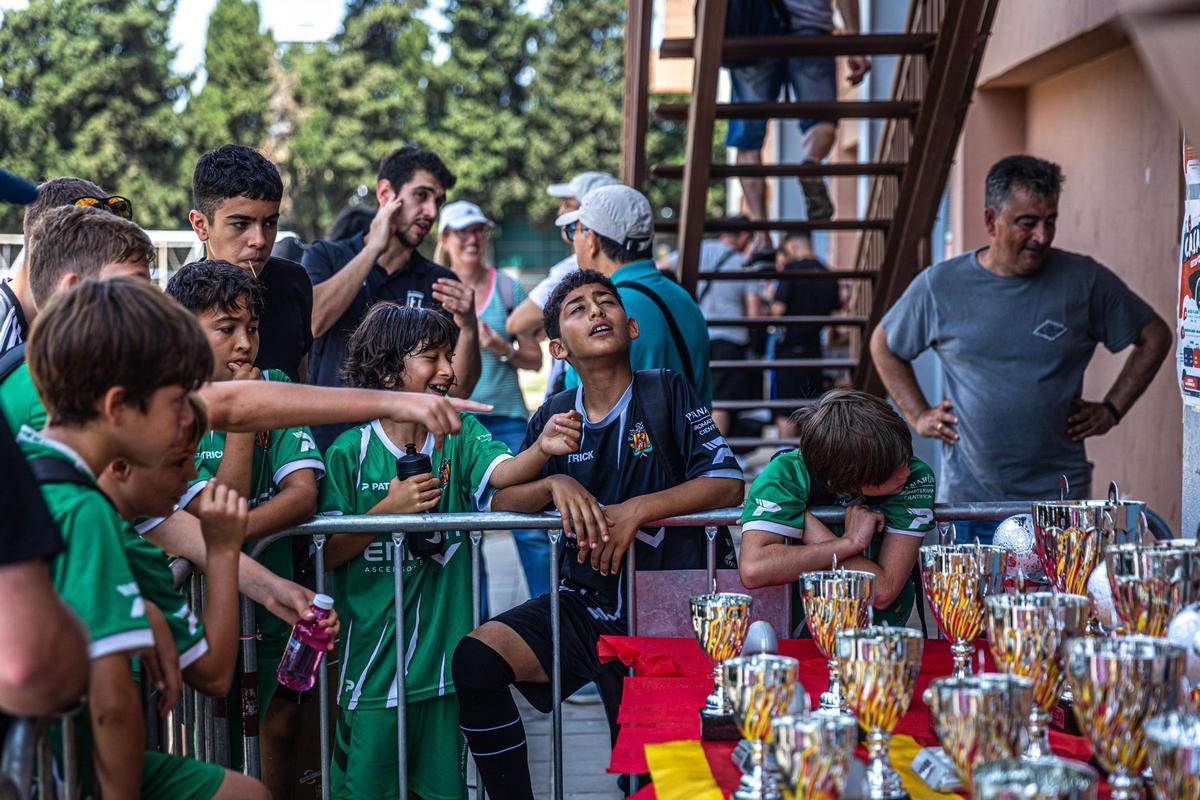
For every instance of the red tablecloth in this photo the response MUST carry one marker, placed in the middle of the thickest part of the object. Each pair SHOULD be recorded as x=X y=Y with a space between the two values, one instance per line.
x=673 y=676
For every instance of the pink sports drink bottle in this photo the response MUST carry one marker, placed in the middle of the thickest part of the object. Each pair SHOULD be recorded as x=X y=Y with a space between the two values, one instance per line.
x=305 y=649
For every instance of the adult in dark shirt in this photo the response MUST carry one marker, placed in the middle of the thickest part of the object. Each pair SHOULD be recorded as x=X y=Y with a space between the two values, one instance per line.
x=796 y=298
x=237 y=192
x=351 y=275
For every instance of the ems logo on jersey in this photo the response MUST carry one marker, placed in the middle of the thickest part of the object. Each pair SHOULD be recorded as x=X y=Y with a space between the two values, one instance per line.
x=306 y=441
x=765 y=507
x=444 y=474
x=639 y=441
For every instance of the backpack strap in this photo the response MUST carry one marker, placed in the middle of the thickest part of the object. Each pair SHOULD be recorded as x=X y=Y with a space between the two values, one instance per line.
x=676 y=334
x=11 y=360
x=708 y=285
x=653 y=384
x=507 y=288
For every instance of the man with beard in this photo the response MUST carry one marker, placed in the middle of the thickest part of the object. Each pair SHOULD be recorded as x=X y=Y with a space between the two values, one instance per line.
x=351 y=275
x=1014 y=325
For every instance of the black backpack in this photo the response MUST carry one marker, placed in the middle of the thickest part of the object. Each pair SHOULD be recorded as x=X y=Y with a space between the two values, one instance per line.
x=11 y=360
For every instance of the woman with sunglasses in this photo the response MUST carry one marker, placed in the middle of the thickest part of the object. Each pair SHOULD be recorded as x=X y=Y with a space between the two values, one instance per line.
x=463 y=235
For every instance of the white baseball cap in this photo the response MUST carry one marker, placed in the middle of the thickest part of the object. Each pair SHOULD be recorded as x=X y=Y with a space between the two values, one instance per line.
x=619 y=212
x=581 y=184
x=462 y=214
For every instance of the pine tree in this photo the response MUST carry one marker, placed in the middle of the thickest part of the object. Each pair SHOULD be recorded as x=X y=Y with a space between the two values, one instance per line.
x=86 y=89
x=484 y=137
x=233 y=104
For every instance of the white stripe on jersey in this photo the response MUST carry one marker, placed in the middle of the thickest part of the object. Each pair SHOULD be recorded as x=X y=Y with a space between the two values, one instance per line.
x=353 y=704
x=442 y=677
x=393 y=691
x=10 y=331
x=341 y=684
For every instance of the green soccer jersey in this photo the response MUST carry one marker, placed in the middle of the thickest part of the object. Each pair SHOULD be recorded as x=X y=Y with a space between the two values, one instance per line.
x=152 y=569
x=277 y=454
x=92 y=573
x=20 y=402
x=781 y=494
x=437 y=590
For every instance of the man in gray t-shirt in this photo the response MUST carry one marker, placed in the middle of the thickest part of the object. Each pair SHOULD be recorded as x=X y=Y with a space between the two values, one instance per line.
x=1015 y=324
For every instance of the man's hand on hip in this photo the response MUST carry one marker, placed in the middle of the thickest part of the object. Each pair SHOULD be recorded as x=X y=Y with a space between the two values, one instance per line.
x=1089 y=419
x=938 y=423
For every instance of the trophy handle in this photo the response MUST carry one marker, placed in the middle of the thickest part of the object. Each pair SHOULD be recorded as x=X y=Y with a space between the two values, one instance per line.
x=1114 y=493
x=1143 y=526
x=1064 y=488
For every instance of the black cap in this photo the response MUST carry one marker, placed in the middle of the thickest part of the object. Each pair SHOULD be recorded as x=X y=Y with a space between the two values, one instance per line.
x=16 y=190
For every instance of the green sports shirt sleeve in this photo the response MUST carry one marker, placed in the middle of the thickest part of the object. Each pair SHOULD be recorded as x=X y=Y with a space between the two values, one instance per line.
x=778 y=498
x=910 y=512
x=19 y=401
x=152 y=569
x=482 y=454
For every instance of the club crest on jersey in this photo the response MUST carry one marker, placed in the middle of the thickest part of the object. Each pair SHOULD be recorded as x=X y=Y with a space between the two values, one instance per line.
x=639 y=441
x=444 y=474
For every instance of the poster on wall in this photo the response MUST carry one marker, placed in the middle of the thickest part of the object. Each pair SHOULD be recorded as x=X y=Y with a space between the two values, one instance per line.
x=1187 y=326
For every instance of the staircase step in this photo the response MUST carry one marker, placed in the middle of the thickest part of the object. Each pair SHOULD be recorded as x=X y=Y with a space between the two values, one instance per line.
x=863 y=44
x=785 y=363
x=752 y=405
x=789 y=275
x=674 y=172
x=766 y=322
x=849 y=109
x=787 y=225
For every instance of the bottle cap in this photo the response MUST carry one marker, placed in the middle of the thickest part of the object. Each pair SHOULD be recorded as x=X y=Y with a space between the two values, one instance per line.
x=323 y=601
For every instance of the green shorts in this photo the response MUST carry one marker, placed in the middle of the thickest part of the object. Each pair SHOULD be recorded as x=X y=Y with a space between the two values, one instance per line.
x=364 y=753
x=178 y=778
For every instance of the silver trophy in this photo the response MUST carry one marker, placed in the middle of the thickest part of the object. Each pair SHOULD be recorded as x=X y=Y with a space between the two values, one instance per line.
x=1037 y=779
x=834 y=601
x=720 y=622
x=1150 y=584
x=813 y=753
x=1173 y=752
x=760 y=689
x=957 y=578
x=980 y=718
x=878 y=668
x=1119 y=683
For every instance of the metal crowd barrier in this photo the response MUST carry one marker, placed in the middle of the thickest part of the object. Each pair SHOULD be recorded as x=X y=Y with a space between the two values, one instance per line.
x=198 y=726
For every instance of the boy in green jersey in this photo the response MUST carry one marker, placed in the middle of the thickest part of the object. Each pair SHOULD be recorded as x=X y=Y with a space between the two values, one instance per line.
x=855 y=451
x=410 y=349
x=278 y=469
x=113 y=362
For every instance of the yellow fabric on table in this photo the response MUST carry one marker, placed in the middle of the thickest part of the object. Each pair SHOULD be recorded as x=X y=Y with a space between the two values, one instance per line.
x=903 y=750
x=680 y=771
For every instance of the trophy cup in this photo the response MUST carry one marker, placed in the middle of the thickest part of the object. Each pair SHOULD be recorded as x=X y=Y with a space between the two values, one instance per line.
x=1071 y=536
x=1173 y=752
x=1026 y=632
x=813 y=753
x=1149 y=585
x=980 y=719
x=1119 y=683
x=835 y=601
x=1039 y=779
x=720 y=622
x=760 y=689
x=878 y=668
x=957 y=578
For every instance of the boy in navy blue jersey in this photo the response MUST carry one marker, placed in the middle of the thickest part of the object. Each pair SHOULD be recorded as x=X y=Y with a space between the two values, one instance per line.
x=649 y=451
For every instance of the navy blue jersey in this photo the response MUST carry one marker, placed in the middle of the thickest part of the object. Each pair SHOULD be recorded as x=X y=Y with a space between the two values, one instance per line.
x=621 y=457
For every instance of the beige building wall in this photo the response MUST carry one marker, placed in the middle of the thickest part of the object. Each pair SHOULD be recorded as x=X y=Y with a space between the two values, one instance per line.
x=1059 y=81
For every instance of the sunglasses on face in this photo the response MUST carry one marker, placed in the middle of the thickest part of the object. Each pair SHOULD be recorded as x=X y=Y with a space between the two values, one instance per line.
x=474 y=232
x=570 y=230
x=116 y=204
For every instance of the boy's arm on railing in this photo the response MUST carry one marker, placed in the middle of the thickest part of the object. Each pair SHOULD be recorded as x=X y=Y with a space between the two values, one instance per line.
x=296 y=502
x=118 y=732
x=582 y=516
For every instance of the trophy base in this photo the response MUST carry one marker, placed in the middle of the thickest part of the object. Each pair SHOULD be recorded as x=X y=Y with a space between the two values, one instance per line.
x=934 y=766
x=719 y=728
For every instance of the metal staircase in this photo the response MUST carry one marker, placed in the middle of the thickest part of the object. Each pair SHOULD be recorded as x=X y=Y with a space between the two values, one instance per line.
x=939 y=57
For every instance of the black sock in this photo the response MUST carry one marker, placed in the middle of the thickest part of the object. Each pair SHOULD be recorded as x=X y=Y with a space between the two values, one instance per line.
x=490 y=720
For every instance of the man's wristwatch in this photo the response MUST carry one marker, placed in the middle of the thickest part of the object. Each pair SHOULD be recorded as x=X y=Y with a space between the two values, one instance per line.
x=1112 y=412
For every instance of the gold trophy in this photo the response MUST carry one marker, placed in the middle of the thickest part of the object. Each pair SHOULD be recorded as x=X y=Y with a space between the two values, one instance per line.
x=1173 y=752
x=1071 y=536
x=1119 y=683
x=720 y=622
x=1150 y=584
x=834 y=601
x=878 y=668
x=1039 y=779
x=813 y=753
x=1026 y=632
x=760 y=689
x=957 y=578
x=980 y=718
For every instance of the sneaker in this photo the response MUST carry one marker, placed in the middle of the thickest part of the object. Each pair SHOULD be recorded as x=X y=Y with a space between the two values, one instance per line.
x=588 y=694
x=816 y=196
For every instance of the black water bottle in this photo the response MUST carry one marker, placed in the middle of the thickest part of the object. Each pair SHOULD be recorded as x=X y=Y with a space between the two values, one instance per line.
x=424 y=544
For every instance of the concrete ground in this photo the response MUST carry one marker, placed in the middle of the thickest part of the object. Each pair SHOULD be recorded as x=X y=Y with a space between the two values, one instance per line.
x=585 y=731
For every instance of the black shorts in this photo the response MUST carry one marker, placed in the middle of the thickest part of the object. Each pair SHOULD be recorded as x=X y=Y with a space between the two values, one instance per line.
x=581 y=631
x=733 y=384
